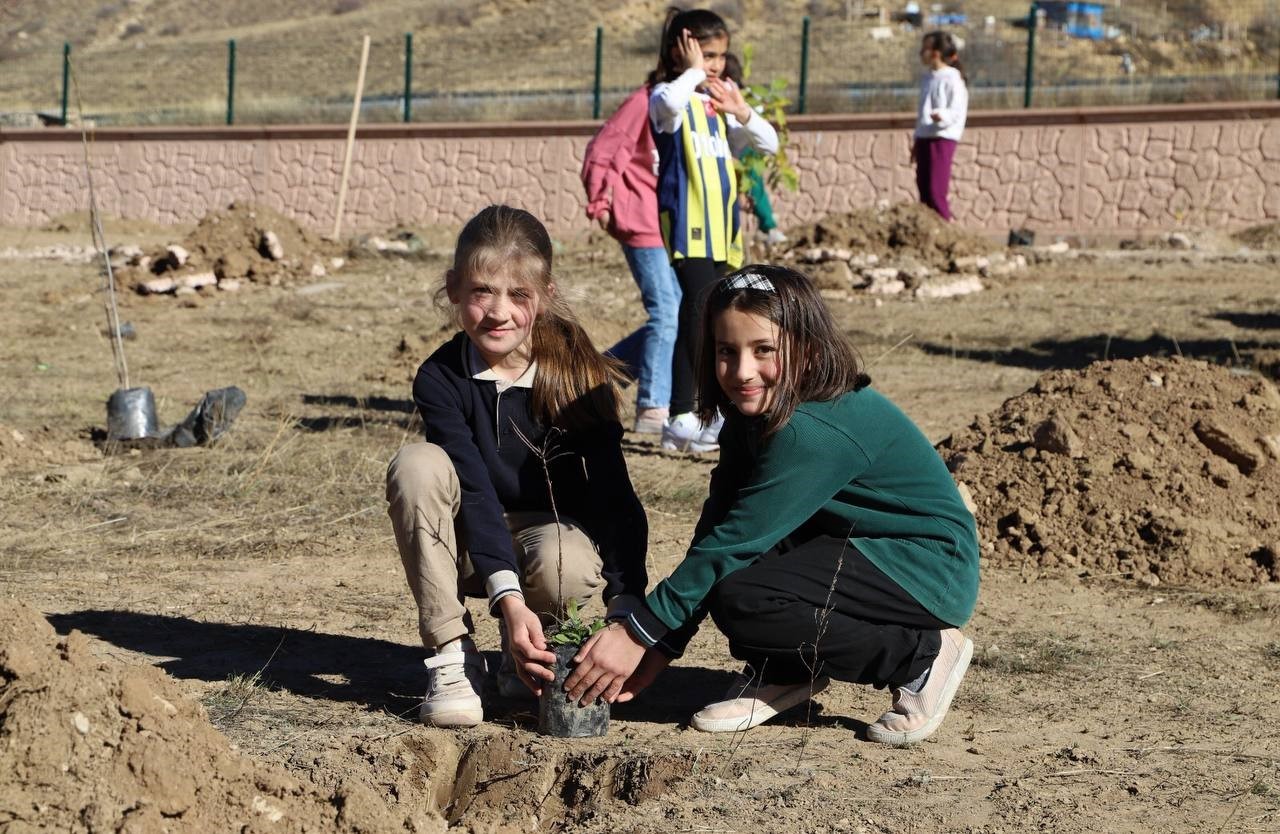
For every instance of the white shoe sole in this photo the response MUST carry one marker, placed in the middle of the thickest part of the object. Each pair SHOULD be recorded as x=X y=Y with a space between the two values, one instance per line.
x=692 y=446
x=899 y=738
x=761 y=713
x=456 y=717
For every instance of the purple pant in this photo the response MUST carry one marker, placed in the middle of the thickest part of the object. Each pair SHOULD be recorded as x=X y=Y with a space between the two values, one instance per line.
x=933 y=173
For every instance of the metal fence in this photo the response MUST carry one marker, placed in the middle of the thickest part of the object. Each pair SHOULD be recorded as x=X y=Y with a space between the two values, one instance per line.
x=844 y=57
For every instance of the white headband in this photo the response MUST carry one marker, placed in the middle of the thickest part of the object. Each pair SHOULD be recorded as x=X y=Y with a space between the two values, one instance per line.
x=747 y=281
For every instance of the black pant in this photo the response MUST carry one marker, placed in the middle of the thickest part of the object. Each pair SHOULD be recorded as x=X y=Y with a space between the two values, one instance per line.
x=696 y=277
x=784 y=617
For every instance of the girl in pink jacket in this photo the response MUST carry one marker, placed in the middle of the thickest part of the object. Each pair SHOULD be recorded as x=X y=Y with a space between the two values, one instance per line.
x=620 y=173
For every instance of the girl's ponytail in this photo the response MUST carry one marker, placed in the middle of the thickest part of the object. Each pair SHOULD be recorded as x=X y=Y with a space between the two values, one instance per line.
x=662 y=72
x=575 y=387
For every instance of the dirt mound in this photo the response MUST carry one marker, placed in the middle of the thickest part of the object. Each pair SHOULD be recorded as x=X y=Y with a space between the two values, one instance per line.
x=1162 y=470
x=91 y=745
x=1266 y=236
x=902 y=231
x=233 y=243
x=240 y=243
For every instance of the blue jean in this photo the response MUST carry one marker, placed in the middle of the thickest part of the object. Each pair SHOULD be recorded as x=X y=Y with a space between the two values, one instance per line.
x=647 y=352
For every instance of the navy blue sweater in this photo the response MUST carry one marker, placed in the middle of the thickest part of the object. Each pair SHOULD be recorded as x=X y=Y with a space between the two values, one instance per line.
x=477 y=426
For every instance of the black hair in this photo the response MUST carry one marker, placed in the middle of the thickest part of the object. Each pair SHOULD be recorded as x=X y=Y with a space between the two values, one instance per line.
x=733 y=69
x=703 y=24
x=945 y=44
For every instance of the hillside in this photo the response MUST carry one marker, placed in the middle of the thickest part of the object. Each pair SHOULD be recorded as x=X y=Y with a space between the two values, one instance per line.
x=165 y=60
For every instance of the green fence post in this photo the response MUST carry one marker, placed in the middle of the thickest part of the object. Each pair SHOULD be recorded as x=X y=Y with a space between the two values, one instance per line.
x=801 y=103
x=66 y=77
x=231 y=81
x=595 y=90
x=408 y=77
x=1031 y=54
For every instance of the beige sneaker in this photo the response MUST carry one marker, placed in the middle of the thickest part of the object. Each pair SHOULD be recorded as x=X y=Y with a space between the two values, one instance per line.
x=749 y=705
x=650 y=420
x=916 y=715
x=454 y=683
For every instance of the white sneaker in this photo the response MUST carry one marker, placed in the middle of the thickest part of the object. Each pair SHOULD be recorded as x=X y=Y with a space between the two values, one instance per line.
x=711 y=433
x=775 y=236
x=685 y=433
x=454 y=683
x=750 y=705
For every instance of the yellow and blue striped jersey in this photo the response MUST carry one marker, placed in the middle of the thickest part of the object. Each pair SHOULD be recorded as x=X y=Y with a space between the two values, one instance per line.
x=697 y=187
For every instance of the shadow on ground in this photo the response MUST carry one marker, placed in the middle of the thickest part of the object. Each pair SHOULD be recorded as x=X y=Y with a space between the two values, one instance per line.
x=377 y=674
x=1074 y=354
x=1251 y=321
x=379 y=406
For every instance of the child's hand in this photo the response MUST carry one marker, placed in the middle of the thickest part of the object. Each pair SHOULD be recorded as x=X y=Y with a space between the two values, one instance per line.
x=688 y=51
x=653 y=663
x=525 y=642
x=936 y=115
x=603 y=219
x=727 y=98
x=603 y=665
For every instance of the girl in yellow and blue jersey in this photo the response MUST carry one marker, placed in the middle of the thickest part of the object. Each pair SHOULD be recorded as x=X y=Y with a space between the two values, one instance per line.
x=700 y=122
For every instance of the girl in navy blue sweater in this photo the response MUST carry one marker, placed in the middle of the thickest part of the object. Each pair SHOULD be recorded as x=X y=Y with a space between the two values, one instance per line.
x=474 y=510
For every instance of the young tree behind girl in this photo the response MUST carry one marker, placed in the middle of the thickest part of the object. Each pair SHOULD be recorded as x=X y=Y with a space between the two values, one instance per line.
x=940 y=119
x=833 y=544
x=520 y=493
x=757 y=192
x=700 y=120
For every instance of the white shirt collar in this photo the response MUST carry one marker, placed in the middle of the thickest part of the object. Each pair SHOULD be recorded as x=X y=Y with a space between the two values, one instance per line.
x=475 y=360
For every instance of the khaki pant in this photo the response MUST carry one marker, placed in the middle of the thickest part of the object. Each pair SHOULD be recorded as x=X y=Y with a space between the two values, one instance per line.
x=423 y=494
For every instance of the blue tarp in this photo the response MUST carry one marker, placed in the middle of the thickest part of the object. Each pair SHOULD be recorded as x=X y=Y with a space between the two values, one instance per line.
x=1079 y=20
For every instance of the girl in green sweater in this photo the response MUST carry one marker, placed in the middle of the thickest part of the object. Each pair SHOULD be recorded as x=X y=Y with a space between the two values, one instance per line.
x=833 y=544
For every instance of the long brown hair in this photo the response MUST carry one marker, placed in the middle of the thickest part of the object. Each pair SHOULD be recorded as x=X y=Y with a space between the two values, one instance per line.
x=818 y=363
x=575 y=387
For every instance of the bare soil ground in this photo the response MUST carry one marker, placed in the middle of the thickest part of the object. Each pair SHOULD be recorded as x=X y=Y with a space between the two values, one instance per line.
x=261 y=575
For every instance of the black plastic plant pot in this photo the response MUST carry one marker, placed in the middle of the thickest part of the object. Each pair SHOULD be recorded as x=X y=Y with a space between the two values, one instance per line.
x=561 y=718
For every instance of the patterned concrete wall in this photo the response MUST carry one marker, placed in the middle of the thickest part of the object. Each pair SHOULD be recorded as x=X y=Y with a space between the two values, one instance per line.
x=1082 y=171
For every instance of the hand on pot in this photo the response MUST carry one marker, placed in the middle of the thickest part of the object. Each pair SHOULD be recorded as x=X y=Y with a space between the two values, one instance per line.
x=653 y=663
x=525 y=642
x=603 y=665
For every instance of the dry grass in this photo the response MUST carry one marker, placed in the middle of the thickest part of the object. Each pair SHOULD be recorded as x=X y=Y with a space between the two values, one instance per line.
x=297 y=59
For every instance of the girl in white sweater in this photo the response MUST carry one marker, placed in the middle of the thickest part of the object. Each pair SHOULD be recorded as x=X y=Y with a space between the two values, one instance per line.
x=940 y=117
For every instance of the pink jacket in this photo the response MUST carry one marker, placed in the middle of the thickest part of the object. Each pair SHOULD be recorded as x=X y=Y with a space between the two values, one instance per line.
x=620 y=173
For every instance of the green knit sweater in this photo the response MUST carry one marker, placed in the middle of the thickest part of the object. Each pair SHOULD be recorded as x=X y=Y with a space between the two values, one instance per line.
x=857 y=463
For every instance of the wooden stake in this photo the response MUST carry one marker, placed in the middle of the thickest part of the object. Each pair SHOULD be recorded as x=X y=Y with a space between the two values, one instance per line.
x=351 y=139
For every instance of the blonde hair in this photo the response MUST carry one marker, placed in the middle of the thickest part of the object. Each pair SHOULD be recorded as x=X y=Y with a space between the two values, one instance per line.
x=576 y=386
